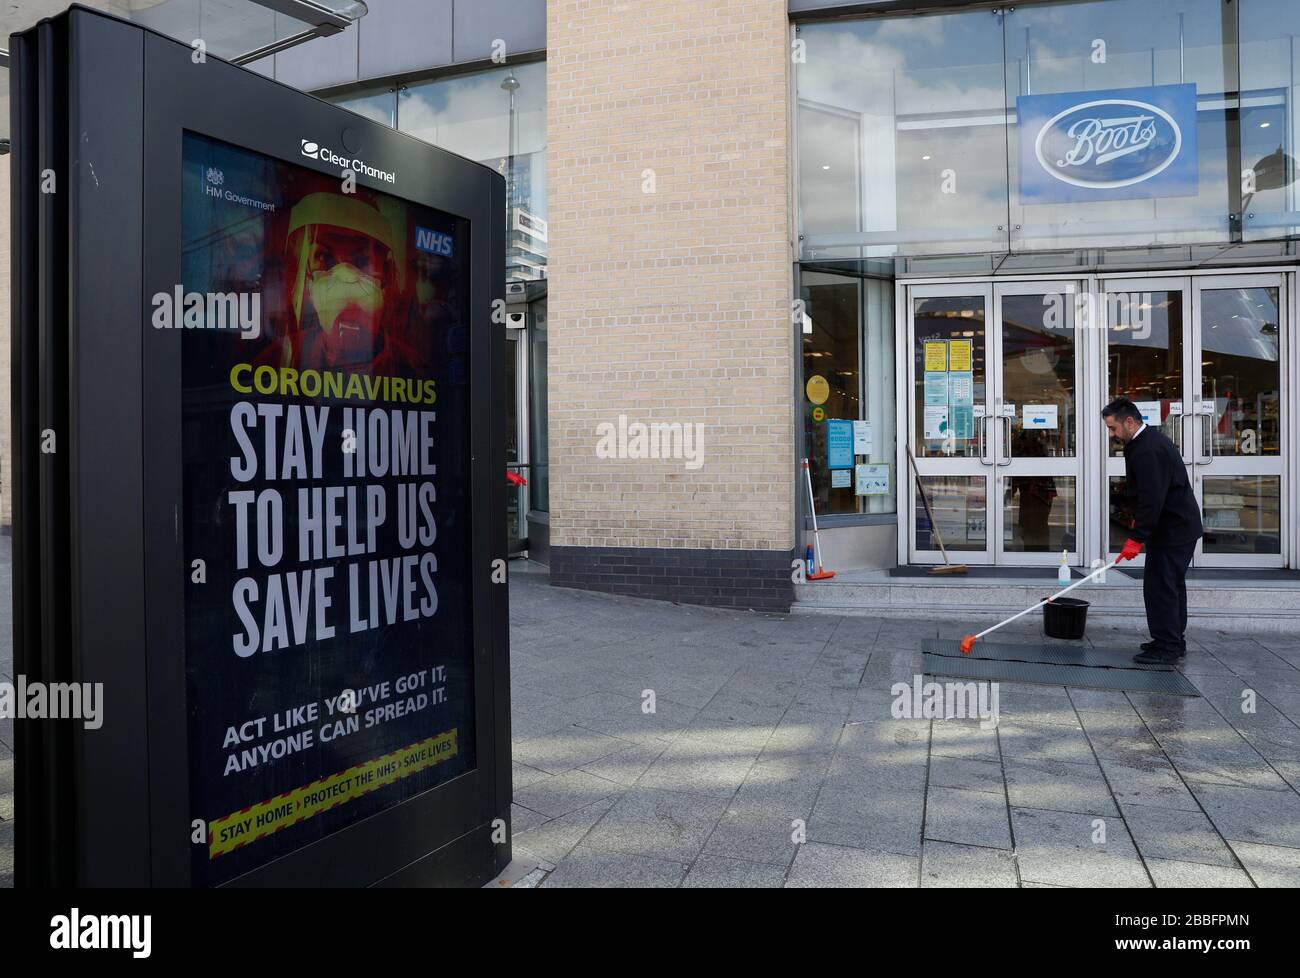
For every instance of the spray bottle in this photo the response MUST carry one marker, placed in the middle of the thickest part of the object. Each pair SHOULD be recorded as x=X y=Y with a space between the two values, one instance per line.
x=1063 y=572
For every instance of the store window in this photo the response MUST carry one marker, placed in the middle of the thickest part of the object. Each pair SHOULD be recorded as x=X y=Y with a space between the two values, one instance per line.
x=1114 y=75
x=378 y=106
x=902 y=136
x=848 y=392
x=495 y=117
x=1048 y=129
x=1270 y=56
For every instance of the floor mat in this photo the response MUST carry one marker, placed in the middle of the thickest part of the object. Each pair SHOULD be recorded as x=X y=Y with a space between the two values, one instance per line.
x=1068 y=655
x=1044 y=573
x=1054 y=674
x=1245 y=574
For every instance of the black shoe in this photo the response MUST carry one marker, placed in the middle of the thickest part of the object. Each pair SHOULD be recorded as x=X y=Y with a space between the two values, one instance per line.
x=1148 y=646
x=1157 y=657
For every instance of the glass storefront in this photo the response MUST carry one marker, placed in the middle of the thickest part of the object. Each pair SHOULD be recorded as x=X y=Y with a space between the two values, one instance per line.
x=496 y=117
x=1048 y=127
x=1054 y=186
x=848 y=403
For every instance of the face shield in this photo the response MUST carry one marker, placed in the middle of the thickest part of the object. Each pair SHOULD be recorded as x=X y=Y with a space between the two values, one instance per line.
x=344 y=254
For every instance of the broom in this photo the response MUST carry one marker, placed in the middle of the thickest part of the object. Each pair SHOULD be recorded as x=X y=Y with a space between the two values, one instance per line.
x=821 y=574
x=948 y=567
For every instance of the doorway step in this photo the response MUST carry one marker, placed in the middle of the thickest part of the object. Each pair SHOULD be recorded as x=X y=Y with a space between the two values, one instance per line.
x=1263 y=604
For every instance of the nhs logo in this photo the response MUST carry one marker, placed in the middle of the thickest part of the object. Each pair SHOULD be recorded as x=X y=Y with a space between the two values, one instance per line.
x=433 y=242
x=1121 y=144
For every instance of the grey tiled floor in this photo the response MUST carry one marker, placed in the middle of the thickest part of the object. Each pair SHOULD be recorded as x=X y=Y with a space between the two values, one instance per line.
x=767 y=729
x=771 y=758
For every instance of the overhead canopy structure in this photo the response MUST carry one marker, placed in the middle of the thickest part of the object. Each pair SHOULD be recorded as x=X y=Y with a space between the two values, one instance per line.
x=241 y=31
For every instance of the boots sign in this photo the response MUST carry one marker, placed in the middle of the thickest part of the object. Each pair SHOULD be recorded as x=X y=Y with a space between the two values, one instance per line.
x=1121 y=144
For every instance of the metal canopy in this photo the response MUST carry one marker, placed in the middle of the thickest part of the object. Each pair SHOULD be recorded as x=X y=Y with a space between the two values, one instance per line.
x=240 y=31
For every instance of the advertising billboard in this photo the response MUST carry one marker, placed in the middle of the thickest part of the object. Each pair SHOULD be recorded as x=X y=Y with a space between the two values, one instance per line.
x=326 y=492
x=274 y=532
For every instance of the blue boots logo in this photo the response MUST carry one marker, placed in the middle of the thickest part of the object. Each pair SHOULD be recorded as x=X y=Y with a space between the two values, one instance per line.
x=1121 y=144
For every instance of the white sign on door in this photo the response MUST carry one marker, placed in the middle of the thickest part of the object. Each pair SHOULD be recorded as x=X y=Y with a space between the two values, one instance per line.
x=1039 y=416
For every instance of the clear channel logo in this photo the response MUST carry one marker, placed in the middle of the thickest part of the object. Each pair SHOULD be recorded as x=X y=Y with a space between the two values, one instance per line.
x=1108 y=143
x=314 y=150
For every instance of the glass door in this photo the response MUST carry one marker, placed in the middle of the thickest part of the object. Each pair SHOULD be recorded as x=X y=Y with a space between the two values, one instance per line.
x=1148 y=359
x=1236 y=445
x=950 y=427
x=1034 y=423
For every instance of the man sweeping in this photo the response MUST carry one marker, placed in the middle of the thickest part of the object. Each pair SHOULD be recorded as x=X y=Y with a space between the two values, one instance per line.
x=1166 y=520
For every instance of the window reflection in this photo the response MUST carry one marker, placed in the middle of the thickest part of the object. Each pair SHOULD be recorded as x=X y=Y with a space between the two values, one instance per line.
x=498 y=118
x=909 y=141
x=902 y=126
x=1240 y=371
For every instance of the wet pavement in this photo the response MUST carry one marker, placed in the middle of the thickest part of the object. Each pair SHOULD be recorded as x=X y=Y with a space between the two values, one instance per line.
x=665 y=745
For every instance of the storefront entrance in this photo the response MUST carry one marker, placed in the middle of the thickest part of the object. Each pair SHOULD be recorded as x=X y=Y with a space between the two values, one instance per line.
x=1002 y=396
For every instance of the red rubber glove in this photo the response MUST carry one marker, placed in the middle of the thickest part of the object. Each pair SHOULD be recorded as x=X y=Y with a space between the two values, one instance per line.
x=1131 y=549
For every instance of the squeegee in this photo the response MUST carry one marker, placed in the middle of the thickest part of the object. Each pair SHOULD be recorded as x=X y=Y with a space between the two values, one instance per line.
x=968 y=642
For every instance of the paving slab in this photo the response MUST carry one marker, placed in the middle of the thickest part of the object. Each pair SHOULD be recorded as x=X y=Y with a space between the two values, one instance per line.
x=1269 y=866
x=586 y=867
x=663 y=824
x=719 y=872
x=819 y=866
x=1050 y=785
x=1171 y=874
x=946 y=865
x=756 y=838
x=1252 y=815
x=1163 y=833
x=1063 y=848
x=974 y=818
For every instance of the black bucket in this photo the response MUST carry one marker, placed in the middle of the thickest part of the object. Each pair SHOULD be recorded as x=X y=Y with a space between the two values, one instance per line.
x=1065 y=618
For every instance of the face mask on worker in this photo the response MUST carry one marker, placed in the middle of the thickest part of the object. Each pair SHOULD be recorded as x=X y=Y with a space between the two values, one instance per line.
x=345 y=289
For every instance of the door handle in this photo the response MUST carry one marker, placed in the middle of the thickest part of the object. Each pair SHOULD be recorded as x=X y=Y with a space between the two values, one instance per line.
x=1205 y=412
x=983 y=430
x=1182 y=433
x=1006 y=444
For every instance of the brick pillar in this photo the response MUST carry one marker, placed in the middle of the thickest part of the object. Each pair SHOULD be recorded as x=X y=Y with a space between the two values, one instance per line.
x=669 y=299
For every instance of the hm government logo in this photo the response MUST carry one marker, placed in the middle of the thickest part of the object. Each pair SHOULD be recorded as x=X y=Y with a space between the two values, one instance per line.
x=1108 y=143
x=215 y=177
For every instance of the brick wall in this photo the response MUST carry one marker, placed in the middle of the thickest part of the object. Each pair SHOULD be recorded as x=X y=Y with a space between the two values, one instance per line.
x=670 y=281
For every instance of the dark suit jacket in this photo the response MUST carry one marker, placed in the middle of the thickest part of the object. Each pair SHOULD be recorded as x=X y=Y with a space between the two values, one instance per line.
x=1165 y=513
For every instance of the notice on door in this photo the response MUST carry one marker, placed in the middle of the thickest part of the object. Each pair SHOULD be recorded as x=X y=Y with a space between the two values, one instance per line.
x=1041 y=417
x=862 y=442
x=936 y=355
x=936 y=421
x=872 y=480
x=936 y=388
x=959 y=354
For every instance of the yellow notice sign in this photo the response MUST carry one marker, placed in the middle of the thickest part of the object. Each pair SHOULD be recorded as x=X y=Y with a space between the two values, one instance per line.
x=240 y=828
x=936 y=355
x=818 y=389
x=959 y=355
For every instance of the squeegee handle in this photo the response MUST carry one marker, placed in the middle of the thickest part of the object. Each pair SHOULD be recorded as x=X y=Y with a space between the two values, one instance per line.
x=1071 y=587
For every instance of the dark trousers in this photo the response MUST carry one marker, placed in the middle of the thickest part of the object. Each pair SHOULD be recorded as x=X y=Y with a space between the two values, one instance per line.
x=1164 y=588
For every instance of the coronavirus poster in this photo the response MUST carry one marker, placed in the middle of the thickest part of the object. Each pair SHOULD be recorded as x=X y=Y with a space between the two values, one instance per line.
x=325 y=350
